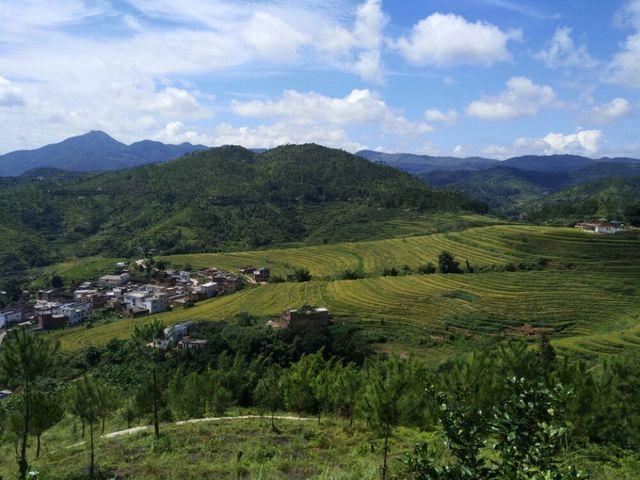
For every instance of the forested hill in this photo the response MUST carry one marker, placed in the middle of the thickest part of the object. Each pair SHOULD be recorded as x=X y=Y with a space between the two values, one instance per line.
x=226 y=197
x=614 y=198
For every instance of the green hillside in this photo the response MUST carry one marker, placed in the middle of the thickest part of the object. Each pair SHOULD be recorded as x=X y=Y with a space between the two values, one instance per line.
x=220 y=199
x=613 y=198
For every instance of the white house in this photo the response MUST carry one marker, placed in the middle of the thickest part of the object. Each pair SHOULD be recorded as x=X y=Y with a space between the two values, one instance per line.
x=151 y=302
x=208 y=289
x=76 y=312
x=173 y=334
x=9 y=317
x=601 y=226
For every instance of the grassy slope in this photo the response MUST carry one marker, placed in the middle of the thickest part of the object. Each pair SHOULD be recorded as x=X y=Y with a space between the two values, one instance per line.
x=300 y=450
x=597 y=296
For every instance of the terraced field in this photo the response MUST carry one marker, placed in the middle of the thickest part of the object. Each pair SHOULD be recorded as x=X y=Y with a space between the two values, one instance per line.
x=588 y=297
x=480 y=246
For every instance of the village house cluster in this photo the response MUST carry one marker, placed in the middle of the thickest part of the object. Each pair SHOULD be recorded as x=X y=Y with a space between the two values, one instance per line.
x=128 y=296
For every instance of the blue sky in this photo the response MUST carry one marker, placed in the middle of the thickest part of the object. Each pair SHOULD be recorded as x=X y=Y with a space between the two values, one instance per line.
x=452 y=77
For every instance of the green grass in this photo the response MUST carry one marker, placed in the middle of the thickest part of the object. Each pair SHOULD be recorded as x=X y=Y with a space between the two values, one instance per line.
x=300 y=450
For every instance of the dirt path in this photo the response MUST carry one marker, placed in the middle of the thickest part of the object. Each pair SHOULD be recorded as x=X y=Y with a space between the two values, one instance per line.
x=134 y=430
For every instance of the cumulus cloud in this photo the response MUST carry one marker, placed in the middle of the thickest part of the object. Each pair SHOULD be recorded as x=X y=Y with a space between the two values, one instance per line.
x=521 y=98
x=562 y=52
x=10 y=95
x=174 y=132
x=610 y=111
x=310 y=108
x=624 y=68
x=126 y=73
x=448 y=39
x=281 y=133
x=583 y=142
x=450 y=117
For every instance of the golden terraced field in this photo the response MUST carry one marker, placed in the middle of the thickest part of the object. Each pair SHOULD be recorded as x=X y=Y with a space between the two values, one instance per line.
x=589 y=295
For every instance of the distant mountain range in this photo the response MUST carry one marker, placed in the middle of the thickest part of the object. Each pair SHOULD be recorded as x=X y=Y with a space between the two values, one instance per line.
x=418 y=164
x=97 y=151
x=91 y=152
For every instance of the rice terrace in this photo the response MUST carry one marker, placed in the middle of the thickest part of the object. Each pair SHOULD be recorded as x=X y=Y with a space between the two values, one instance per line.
x=584 y=293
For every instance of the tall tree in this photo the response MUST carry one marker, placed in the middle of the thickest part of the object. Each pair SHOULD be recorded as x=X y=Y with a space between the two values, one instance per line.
x=268 y=392
x=24 y=359
x=144 y=335
x=86 y=396
x=46 y=411
x=386 y=401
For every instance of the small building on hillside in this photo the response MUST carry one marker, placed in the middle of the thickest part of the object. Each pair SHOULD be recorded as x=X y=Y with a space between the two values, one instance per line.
x=152 y=302
x=48 y=320
x=303 y=318
x=173 y=334
x=111 y=281
x=48 y=294
x=93 y=296
x=601 y=226
x=10 y=317
x=206 y=290
x=191 y=343
x=76 y=312
x=261 y=275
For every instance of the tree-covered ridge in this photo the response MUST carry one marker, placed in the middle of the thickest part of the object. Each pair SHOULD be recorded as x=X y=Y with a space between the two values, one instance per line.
x=613 y=198
x=227 y=197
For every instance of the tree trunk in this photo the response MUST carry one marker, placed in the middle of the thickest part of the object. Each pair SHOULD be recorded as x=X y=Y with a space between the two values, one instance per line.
x=384 y=455
x=156 y=423
x=102 y=433
x=91 y=457
x=37 y=446
x=82 y=436
x=273 y=423
x=23 y=466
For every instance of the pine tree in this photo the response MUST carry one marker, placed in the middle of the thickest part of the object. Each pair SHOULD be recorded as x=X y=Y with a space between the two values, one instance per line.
x=24 y=359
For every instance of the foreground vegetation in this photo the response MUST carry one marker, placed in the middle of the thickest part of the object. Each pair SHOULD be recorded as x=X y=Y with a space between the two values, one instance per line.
x=503 y=413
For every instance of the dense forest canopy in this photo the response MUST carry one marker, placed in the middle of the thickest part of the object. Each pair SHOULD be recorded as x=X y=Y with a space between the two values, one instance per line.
x=227 y=197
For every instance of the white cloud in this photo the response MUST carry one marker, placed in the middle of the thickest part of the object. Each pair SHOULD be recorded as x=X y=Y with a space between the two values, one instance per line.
x=92 y=64
x=310 y=108
x=174 y=101
x=281 y=133
x=174 y=132
x=562 y=52
x=10 y=95
x=521 y=98
x=624 y=68
x=610 y=111
x=584 y=142
x=447 y=39
x=459 y=151
x=450 y=117
x=628 y=14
